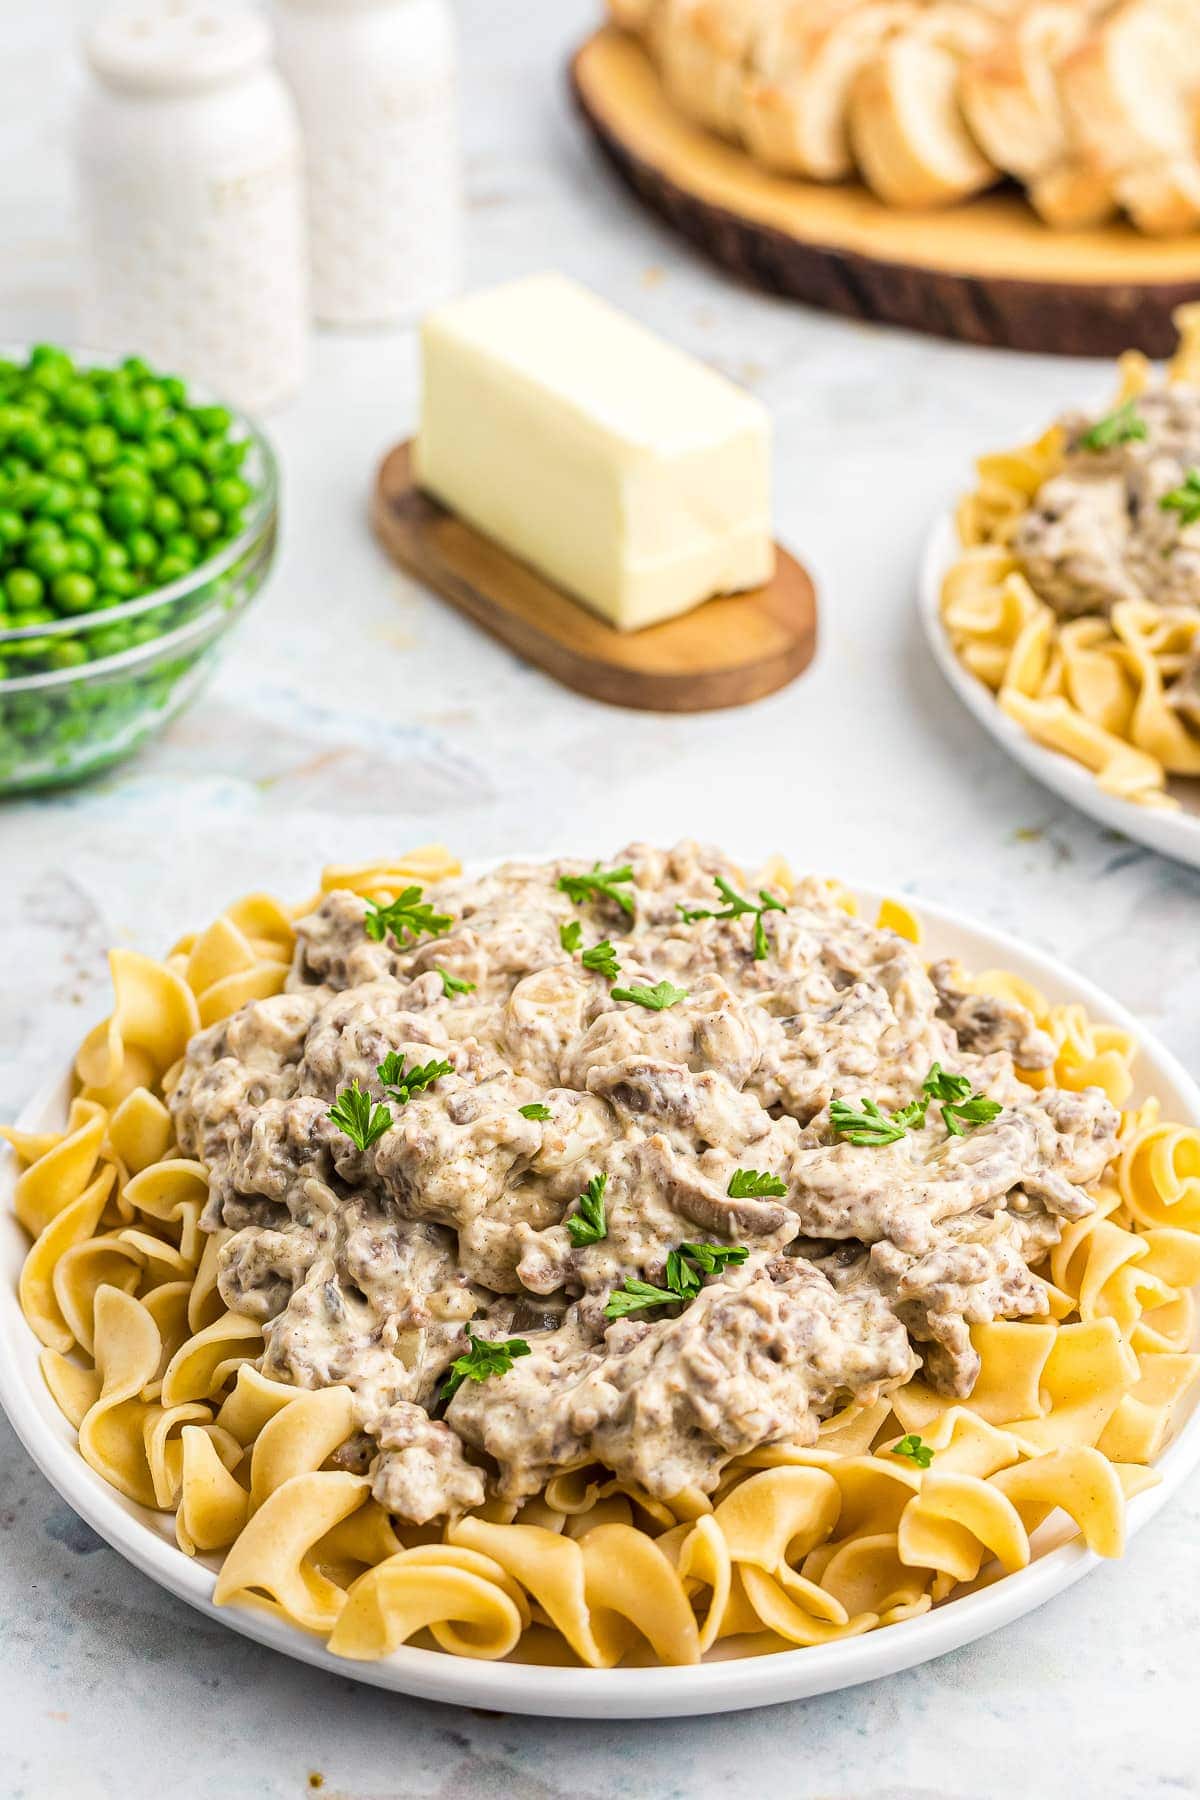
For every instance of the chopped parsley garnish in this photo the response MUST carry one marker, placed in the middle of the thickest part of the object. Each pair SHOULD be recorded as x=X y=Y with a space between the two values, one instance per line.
x=961 y=1111
x=1120 y=427
x=453 y=984
x=400 y=1084
x=535 y=1110
x=589 y=1225
x=486 y=1357
x=748 y=1184
x=736 y=906
x=363 y=1121
x=602 y=960
x=600 y=884
x=960 y=1108
x=1184 y=500
x=406 y=915
x=916 y=1451
x=869 y=1125
x=658 y=998
x=633 y=1295
x=570 y=935
x=686 y=1268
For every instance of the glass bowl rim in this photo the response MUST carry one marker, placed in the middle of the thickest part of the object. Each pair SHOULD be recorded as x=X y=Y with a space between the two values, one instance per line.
x=263 y=510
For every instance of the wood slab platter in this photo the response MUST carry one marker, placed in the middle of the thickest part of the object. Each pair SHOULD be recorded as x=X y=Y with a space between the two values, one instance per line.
x=987 y=271
x=725 y=653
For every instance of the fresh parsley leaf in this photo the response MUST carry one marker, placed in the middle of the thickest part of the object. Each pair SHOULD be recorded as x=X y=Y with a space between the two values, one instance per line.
x=634 y=1295
x=940 y=1084
x=748 y=1184
x=964 y=1115
x=405 y=916
x=1184 y=500
x=363 y=1122
x=486 y=1357
x=686 y=1268
x=570 y=935
x=736 y=906
x=588 y=1225
x=400 y=1084
x=601 y=884
x=916 y=1451
x=657 y=998
x=535 y=1110
x=453 y=984
x=1120 y=427
x=869 y=1125
x=602 y=960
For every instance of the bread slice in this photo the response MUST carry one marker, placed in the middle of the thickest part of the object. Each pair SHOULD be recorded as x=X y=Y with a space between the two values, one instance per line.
x=703 y=49
x=1073 y=193
x=909 y=135
x=1162 y=198
x=1010 y=95
x=1129 y=88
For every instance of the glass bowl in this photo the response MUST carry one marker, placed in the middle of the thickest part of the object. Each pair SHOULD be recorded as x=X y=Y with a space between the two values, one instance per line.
x=145 y=658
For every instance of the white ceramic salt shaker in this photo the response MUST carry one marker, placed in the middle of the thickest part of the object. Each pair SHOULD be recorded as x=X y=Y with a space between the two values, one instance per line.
x=376 y=84
x=191 y=182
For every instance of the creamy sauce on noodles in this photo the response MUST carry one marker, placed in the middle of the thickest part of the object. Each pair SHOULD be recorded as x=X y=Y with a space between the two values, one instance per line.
x=364 y=1267
x=1096 y=533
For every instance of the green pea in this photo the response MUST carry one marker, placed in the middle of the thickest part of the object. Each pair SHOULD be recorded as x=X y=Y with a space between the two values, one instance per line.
x=48 y=557
x=166 y=514
x=212 y=420
x=175 y=390
x=68 y=653
x=67 y=465
x=101 y=445
x=188 y=485
x=234 y=523
x=81 y=553
x=35 y=441
x=38 y=401
x=33 y=615
x=74 y=592
x=30 y=716
x=16 y=468
x=125 y=509
x=81 y=402
x=12 y=526
x=153 y=396
x=40 y=528
x=137 y=369
x=109 y=640
x=143 y=632
x=126 y=415
x=184 y=436
x=161 y=454
x=182 y=543
x=143 y=549
x=12 y=418
x=84 y=523
x=57 y=501
x=129 y=475
x=205 y=523
x=230 y=494
x=134 y=456
x=116 y=585
x=111 y=554
x=24 y=588
x=89 y=497
x=213 y=456
x=29 y=649
x=42 y=355
x=172 y=568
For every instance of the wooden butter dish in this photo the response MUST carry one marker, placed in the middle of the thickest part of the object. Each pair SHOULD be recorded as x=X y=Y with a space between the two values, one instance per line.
x=725 y=653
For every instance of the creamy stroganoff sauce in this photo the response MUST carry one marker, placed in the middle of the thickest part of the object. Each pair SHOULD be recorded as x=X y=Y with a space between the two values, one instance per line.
x=365 y=1267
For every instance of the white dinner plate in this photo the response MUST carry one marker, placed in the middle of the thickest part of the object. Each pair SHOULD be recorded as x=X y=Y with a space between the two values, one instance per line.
x=1175 y=834
x=147 y=1540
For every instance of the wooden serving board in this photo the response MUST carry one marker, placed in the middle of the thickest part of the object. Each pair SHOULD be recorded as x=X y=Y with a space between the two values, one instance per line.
x=725 y=653
x=987 y=271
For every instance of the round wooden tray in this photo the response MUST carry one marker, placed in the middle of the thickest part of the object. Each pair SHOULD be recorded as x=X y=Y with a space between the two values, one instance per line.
x=725 y=653
x=987 y=271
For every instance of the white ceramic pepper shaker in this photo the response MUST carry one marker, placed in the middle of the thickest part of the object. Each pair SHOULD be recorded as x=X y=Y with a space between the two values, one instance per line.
x=376 y=84
x=191 y=182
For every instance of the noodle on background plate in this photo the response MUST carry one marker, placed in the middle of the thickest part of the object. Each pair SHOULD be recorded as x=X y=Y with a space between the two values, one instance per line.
x=796 y=1546
x=1092 y=687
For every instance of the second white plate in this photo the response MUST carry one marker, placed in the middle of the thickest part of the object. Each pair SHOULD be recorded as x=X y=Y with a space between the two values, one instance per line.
x=1174 y=834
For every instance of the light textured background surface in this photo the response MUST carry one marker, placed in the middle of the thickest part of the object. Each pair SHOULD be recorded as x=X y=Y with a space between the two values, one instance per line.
x=357 y=714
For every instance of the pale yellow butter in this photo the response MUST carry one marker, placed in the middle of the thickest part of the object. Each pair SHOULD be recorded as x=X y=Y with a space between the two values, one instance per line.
x=624 y=470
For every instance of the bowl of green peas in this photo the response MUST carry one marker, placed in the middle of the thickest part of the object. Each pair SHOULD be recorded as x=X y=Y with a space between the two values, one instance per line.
x=138 y=521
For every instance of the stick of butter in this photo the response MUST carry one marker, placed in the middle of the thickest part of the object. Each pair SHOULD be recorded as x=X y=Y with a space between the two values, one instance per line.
x=622 y=469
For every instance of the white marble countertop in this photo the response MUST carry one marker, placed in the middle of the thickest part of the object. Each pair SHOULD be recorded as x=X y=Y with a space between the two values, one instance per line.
x=421 y=728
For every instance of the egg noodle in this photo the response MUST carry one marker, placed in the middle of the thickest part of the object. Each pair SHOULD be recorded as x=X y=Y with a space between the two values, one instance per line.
x=1090 y=687
x=796 y=1546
